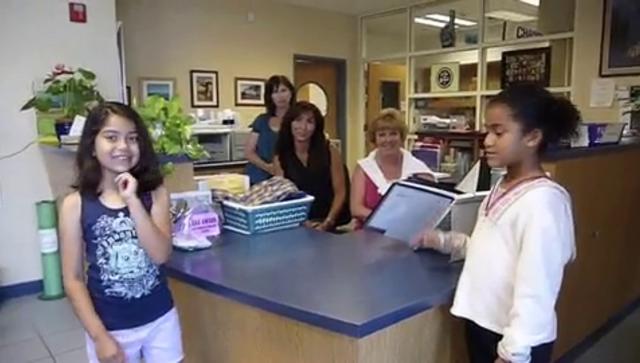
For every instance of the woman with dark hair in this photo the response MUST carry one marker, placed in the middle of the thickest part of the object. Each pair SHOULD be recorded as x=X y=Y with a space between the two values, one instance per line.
x=279 y=96
x=115 y=233
x=304 y=156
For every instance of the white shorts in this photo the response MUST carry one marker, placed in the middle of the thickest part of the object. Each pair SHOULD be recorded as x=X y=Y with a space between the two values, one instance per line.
x=158 y=342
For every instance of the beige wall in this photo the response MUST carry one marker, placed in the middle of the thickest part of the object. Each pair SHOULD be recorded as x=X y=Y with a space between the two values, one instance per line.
x=167 y=38
x=587 y=63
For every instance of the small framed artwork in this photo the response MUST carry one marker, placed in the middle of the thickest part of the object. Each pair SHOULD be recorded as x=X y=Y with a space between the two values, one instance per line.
x=620 y=52
x=163 y=87
x=204 y=88
x=526 y=66
x=250 y=91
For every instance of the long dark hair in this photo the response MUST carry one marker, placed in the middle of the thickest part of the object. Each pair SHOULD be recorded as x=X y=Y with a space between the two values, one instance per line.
x=89 y=177
x=534 y=107
x=272 y=85
x=318 y=146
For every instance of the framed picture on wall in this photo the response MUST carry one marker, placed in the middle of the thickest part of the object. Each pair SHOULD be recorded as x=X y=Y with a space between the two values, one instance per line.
x=620 y=51
x=526 y=66
x=250 y=91
x=204 y=88
x=163 y=87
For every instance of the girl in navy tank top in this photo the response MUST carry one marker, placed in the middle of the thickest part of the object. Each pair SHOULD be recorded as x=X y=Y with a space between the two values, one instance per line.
x=115 y=235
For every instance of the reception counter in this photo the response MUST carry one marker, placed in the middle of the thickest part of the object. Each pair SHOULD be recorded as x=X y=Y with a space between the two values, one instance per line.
x=306 y=296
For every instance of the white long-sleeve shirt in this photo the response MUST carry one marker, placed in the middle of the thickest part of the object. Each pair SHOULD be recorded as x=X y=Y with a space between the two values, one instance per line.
x=514 y=265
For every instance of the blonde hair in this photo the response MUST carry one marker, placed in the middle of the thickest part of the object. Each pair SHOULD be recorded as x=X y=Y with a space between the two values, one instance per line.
x=388 y=119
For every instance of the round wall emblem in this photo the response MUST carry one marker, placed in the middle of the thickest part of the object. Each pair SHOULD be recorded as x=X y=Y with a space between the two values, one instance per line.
x=445 y=77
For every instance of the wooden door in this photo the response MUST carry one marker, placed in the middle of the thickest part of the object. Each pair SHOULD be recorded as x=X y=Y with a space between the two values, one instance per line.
x=323 y=74
x=383 y=80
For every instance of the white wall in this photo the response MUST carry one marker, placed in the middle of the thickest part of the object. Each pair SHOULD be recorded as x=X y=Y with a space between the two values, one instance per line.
x=34 y=36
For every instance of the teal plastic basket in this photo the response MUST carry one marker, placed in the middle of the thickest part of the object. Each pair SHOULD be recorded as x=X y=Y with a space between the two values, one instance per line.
x=267 y=217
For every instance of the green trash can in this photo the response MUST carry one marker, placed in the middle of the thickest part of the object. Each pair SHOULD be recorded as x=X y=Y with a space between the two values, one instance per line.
x=49 y=250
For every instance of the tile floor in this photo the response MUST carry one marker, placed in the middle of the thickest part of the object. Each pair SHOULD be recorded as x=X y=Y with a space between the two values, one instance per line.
x=620 y=345
x=48 y=332
x=36 y=331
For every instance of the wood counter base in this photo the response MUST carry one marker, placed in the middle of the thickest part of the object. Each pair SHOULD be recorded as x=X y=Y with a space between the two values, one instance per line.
x=216 y=329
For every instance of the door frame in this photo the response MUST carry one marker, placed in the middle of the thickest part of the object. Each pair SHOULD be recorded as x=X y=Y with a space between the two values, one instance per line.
x=341 y=112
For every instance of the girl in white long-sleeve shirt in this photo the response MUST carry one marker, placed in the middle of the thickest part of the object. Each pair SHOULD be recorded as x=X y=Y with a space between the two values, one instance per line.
x=524 y=236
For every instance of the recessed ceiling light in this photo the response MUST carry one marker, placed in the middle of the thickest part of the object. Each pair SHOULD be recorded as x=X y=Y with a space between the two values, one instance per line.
x=510 y=16
x=445 y=18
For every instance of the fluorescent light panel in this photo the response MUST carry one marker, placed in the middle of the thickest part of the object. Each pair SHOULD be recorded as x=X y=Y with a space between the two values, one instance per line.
x=531 y=2
x=430 y=22
x=510 y=16
x=445 y=19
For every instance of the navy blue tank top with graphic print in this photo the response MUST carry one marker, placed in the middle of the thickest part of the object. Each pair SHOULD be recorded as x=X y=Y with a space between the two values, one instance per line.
x=127 y=289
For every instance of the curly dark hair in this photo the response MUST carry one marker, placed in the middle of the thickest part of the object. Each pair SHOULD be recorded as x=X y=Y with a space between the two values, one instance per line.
x=534 y=107
x=89 y=170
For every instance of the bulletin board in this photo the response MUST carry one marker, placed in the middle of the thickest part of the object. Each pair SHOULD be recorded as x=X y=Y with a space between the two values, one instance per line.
x=526 y=66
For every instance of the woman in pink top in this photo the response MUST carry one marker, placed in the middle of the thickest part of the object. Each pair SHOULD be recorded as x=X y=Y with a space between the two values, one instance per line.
x=386 y=164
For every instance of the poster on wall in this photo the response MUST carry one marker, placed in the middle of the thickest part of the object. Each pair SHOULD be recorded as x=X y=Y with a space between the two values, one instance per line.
x=620 y=52
x=526 y=66
x=204 y=88
x=445 y=77
x=163 y=87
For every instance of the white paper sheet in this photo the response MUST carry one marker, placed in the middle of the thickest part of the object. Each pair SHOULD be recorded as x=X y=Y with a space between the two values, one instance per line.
x=602 y=92
x=77 y=126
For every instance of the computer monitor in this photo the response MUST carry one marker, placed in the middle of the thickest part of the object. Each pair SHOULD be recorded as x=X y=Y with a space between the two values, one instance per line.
x=478 y=179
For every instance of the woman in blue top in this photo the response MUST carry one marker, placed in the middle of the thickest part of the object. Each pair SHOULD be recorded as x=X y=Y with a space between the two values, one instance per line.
x=279 y=96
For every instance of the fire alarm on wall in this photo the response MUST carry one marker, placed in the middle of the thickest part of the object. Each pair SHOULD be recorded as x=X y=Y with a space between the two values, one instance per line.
x=77 y=13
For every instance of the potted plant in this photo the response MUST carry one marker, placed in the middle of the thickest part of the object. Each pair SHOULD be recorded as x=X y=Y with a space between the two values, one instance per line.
x=170 y=129
x=67 y=92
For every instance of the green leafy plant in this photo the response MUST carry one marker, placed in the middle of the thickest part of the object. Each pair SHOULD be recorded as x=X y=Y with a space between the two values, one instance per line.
x=72 y=91
x=170 y=128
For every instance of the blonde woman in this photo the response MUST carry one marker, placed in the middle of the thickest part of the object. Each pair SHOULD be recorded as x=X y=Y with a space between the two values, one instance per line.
x=387 y=163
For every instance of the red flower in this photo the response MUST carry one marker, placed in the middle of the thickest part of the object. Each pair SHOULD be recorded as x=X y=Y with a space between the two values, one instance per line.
x=60 y=69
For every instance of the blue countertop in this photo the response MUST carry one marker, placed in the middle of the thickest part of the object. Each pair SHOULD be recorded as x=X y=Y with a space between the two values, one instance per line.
x=353 y=284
